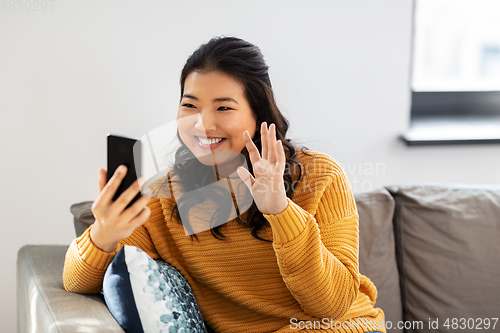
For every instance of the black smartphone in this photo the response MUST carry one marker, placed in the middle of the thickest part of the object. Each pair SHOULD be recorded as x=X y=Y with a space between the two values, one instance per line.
x=126 y=151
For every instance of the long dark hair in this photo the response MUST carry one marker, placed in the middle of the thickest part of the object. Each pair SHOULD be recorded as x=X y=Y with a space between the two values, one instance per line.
x=245 y=63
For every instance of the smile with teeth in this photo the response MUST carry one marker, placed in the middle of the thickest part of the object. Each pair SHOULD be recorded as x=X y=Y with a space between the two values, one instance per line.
x=209 y=141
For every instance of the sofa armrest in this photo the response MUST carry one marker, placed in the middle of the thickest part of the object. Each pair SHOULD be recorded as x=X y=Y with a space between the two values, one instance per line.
x=43 y=305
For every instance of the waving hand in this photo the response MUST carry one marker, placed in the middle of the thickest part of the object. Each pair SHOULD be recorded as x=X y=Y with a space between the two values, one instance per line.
x=267 y=187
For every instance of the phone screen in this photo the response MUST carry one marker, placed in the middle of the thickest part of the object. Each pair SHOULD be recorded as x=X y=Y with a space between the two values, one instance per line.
x=126 y=151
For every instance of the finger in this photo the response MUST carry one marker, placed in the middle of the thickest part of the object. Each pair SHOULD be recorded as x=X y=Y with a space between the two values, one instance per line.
x=135 y=209
x=246 y=177
x=281 y=153
x=263 y=139
x=253 y=152
x=139 y=219
x=112 y=185
x=272 y=144
x=102 y=178
x=129 y=194
x=146 y=191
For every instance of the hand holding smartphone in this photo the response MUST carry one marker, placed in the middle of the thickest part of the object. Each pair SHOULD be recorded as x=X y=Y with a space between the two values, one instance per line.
x=120 y=208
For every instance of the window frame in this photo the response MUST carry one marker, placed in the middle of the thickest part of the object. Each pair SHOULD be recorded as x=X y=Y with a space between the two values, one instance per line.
x=428 y=107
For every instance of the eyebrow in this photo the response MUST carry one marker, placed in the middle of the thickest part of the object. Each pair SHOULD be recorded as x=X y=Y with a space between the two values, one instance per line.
x=220 y=99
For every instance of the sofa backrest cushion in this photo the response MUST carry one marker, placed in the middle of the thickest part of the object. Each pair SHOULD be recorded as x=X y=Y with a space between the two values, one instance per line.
x=377 y=259
x=82 y=216
x=447 y=245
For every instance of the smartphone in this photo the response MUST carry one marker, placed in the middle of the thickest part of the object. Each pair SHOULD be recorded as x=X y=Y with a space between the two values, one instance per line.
x=126 y=151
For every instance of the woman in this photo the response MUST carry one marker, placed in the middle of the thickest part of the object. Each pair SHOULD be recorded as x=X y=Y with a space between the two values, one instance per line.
x=289 y=262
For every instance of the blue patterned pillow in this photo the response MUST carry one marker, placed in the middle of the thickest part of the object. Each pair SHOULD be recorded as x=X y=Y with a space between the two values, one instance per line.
x=146 y=295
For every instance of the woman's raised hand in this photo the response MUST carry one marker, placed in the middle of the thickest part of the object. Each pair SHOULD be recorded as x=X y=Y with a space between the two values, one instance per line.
x=112 y=221
x=267 y=187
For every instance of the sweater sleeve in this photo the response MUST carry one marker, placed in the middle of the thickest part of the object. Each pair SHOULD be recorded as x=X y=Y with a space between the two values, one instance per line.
x=85 y=263
x=318 y=254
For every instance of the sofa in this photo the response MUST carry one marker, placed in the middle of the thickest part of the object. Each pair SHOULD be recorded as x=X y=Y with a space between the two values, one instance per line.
x=432 y=250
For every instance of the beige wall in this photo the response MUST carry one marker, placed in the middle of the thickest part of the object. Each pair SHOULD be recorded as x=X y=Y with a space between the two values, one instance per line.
x=70 y=75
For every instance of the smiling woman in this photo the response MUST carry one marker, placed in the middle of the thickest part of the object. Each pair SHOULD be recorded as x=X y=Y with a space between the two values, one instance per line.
x=289 y=259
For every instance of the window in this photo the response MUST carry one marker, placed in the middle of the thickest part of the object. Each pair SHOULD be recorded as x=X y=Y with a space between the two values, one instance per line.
x=455 y=77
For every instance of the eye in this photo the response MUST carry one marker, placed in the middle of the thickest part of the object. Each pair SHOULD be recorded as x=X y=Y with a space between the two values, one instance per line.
x=224 y=108
x=187 y=105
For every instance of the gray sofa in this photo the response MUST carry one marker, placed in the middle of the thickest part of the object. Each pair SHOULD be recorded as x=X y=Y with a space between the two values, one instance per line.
x=432 y=251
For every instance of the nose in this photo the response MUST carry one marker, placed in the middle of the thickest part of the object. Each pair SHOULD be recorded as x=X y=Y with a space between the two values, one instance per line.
x=206 y=121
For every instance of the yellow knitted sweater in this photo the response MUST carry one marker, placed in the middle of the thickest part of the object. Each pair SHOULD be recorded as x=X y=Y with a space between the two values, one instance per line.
x=306 y=280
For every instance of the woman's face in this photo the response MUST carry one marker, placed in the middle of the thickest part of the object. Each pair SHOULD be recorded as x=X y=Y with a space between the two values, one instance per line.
x=213 y=114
